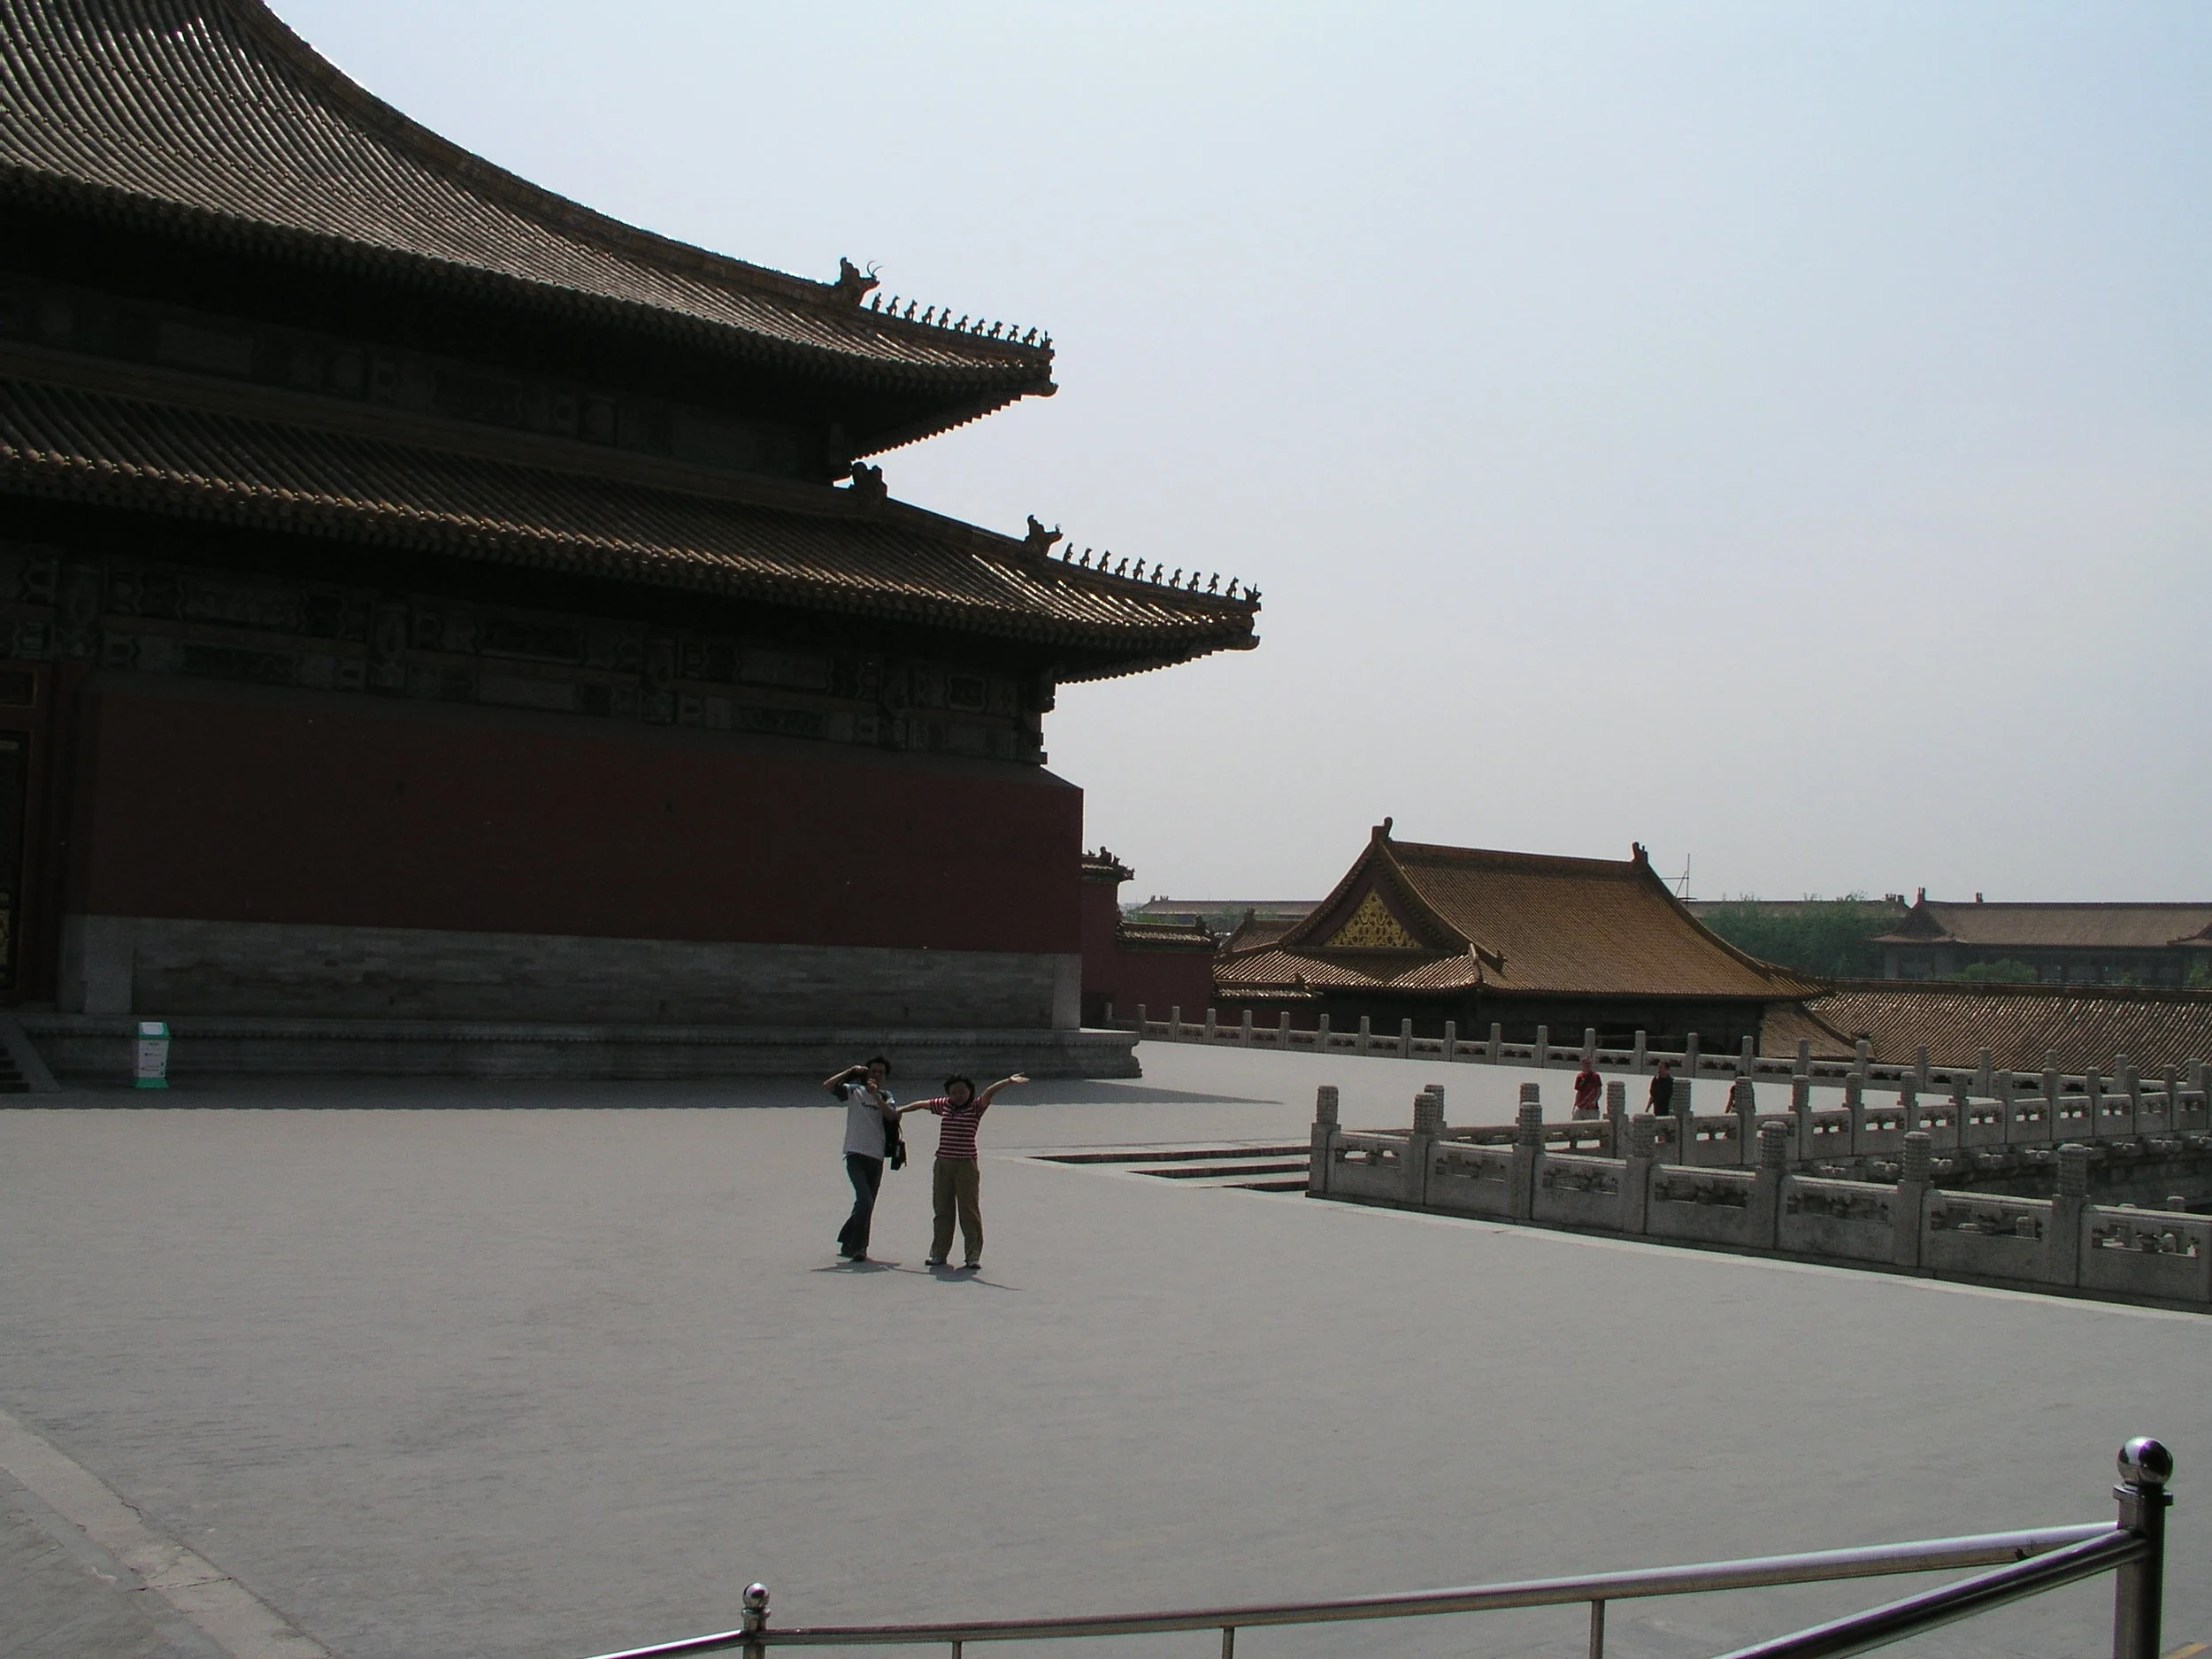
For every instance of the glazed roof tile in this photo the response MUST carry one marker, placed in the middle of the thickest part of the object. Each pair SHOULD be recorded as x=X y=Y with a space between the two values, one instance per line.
x=2019 y=1024
x=211 y=119
x=809 y=547
x=1506 y=921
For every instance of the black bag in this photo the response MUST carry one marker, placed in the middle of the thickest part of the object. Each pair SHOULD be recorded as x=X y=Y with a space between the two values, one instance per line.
x=894 y=1144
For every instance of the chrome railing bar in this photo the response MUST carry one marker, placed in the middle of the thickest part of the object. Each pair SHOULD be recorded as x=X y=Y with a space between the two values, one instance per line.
x=1936 y=1555
x=1820 y=1566
x=1930 y=1609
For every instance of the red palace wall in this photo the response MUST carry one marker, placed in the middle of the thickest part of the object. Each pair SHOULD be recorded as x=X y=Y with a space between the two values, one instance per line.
x=1126 y=978
x=191 y=801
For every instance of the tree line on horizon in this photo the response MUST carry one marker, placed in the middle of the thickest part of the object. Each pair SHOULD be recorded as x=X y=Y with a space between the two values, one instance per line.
x=1831 y=938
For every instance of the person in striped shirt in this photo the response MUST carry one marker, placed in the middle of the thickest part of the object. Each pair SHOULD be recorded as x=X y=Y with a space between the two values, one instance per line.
x=955 y=1182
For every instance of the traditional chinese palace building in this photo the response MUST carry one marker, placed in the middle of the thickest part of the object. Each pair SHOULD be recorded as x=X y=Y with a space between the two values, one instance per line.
x=1519 y=940
x=422 y=599
x=2062 y=944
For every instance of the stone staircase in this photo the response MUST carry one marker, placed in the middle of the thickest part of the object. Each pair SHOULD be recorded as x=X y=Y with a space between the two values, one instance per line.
x=1251 y=1167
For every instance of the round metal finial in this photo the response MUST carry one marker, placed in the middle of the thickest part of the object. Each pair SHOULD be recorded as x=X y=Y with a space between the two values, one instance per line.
x=2145 y=1462
x=756 y=1597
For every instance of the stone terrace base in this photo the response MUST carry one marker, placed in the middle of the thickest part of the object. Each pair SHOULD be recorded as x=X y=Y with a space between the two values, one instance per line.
x=98 y=1048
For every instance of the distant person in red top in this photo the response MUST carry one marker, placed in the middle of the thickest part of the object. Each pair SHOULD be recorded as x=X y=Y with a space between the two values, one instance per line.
x=1589 y=1090
x=957 y=1183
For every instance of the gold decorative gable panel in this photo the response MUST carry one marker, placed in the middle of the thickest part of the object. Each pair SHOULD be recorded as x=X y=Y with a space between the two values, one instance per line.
x=1372 y=927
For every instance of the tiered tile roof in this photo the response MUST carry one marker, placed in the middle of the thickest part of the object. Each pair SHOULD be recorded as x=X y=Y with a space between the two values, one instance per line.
x=208 y=122
x=1413 y=917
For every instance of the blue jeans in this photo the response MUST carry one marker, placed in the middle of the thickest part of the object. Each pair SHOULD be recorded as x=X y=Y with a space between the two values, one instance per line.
x=866 y=1174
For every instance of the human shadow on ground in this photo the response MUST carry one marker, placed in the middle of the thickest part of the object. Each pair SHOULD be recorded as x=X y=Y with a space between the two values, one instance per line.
x=960 y=1276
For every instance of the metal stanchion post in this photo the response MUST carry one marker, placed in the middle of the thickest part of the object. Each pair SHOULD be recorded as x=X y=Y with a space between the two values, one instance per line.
x=2138 y=1589
x=756 y=1620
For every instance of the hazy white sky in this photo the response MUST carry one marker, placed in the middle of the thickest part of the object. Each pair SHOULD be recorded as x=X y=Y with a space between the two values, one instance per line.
x=1778 y=433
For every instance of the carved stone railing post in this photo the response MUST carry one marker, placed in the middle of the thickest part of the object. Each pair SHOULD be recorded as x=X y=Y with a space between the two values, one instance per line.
x=2092 y=1105
x=2195 y=1071
x=1616 y=1118
x=1246 y=1037
x=2061 y=1239
x=1420 y=1148
x=1920 y=1068
x=1985 y=1075
x=1766 y=1192
x=1637 y=1061
x=1689 y=1062
x=1801 y=1110
x=1366 y=1033
x=1589 y=1045
x=1854 y=1102
x=1862 y=1056
x=1212 y=1026
x=1175 y=1022
x=1323 y=1158
x=1321 y=1033
x=1746 y=1058
x=1528 y=1152
x=1543 y=1047
x=1643 y=1137
x=1428 y=1110
x=1962 y=1108
x=1143 y=1024
x=1497 y=1042
x=1804 y=1066
x=1405 y=1040
x=1451 y=1040
x=1743 y=1102
x=1909 y=1214
x=1282 y=1030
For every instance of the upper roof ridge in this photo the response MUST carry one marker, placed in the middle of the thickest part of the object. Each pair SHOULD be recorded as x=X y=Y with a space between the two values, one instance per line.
x=219 y=119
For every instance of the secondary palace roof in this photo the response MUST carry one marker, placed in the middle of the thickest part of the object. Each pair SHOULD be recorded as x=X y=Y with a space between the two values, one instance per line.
x=212 y=453
x=1415 y=918
x=2054 y=927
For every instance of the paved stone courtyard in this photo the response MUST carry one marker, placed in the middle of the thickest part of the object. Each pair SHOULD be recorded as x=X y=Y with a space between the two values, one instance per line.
x=499 y=1382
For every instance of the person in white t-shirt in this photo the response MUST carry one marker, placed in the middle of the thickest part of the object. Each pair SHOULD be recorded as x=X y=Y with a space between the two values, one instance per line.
x=871 y=1121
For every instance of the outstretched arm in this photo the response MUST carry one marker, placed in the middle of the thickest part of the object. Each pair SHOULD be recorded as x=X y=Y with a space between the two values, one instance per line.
x=849 y=1074
x=985 y=1097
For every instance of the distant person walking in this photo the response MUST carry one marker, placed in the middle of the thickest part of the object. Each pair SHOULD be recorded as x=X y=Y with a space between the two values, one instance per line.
x=1662 y=1099
x=871 y=1134
x=1589 y=1090
x=956 y=1183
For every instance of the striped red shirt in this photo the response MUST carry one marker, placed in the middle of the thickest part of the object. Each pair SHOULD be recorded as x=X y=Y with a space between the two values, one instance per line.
x=956 y=1125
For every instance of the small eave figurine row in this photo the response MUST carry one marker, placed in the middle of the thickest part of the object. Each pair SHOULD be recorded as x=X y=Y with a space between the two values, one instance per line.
x=1039 y=541
x=854 y=284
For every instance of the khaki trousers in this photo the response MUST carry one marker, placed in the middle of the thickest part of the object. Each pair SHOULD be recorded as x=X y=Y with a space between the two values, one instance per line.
x=955 y=1185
